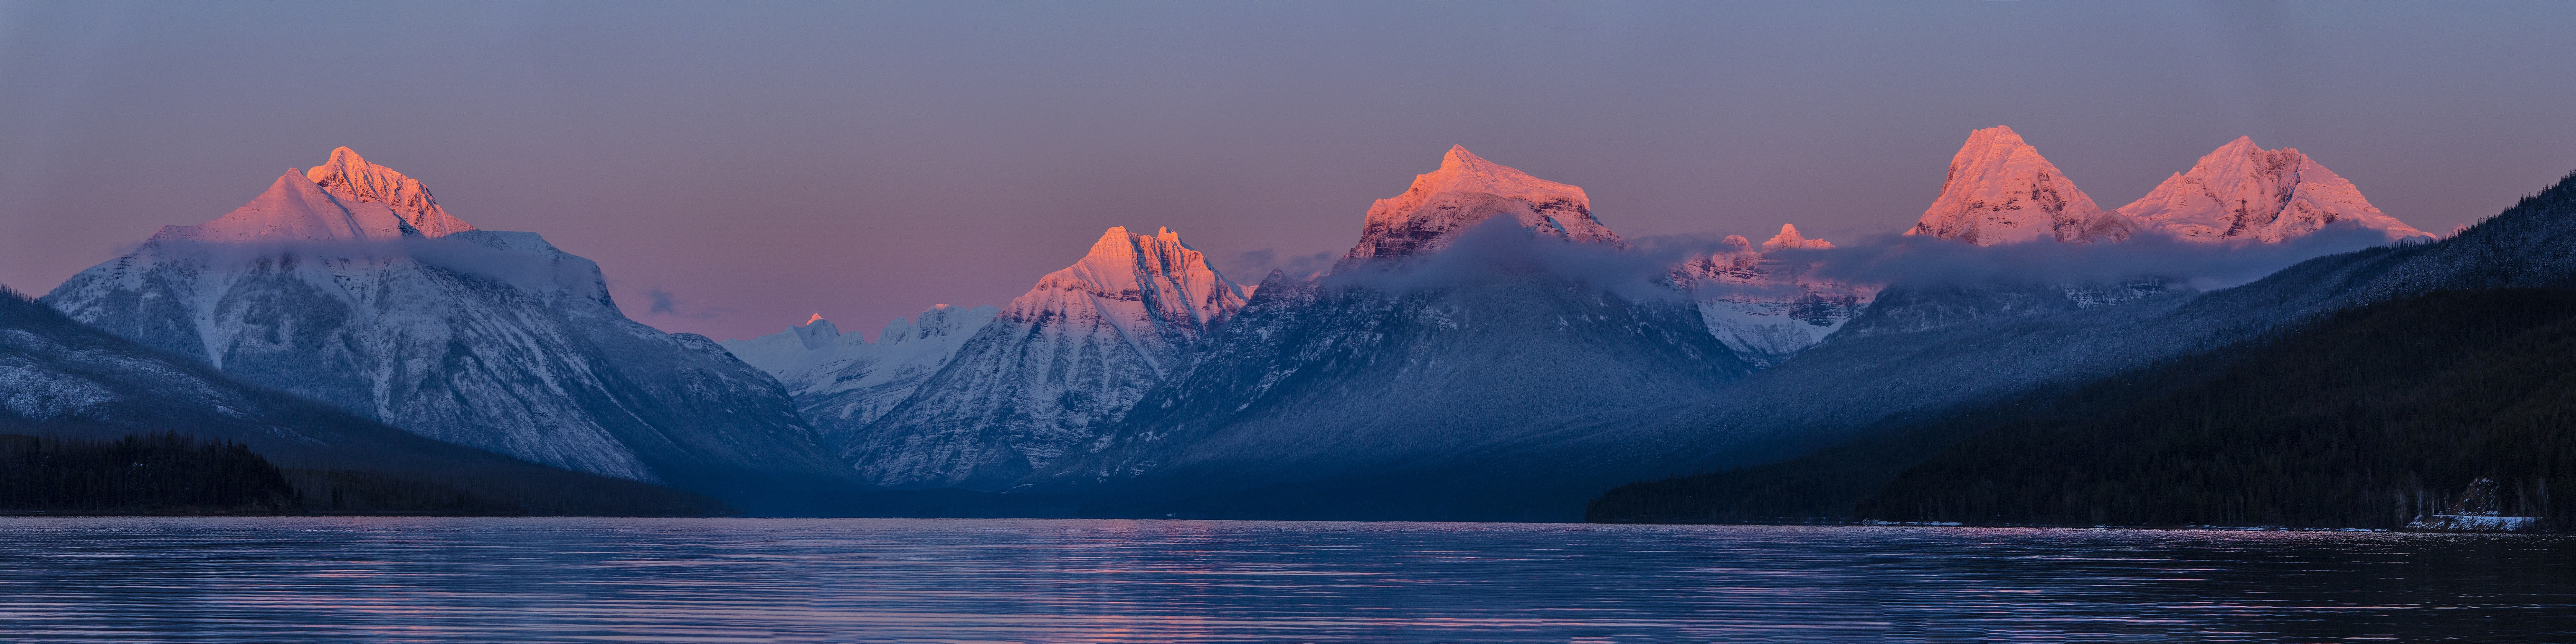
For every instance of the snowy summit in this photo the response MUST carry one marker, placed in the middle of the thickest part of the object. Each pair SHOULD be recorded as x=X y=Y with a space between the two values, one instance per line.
x=1466 y=191
x=2001 y=191
x=2242 y=191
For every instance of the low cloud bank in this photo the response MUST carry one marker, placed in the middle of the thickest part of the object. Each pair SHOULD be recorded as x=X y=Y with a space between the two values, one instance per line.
x=1640 y=270
x=1897 y=259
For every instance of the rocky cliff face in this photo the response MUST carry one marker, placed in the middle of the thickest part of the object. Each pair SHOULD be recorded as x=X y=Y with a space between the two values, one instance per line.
x=357 y=289
x=1052 y=368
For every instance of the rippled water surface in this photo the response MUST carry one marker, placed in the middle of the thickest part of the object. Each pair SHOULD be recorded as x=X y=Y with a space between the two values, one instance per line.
x=729 y=580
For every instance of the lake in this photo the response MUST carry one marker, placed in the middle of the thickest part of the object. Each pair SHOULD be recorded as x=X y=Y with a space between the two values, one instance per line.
x=829 y=580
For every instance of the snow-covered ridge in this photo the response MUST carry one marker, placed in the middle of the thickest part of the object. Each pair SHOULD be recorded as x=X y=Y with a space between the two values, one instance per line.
x=2001 y=191
x=2243 y=192
x=1466 y=191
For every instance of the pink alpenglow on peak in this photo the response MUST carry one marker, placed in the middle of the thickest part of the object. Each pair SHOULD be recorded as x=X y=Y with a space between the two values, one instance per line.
x=1789 y=238
x=1466 y=191
x=2001 y=191
x=1135 y=283
x=818 y=317
x=295 y=210
x=353 y=179
x=2242 y=191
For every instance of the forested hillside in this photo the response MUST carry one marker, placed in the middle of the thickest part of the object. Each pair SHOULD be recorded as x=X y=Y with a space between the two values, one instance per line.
x=159 y=473
x=2366 y=419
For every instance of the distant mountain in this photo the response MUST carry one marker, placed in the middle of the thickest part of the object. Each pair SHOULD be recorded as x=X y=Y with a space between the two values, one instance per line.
x=1463 y=193
x=59 y=377
x=1061 y=362
x=351 y=285
x=842 y=383
x=2244 y=192
x=2001 y=191
x=1766 y=307
x=1460 y=319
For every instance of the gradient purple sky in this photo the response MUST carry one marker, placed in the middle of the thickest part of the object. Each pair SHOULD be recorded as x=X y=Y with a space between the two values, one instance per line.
x=760 y=162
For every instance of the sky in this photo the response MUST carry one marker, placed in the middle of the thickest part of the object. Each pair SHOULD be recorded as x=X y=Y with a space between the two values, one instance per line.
x=737 y=167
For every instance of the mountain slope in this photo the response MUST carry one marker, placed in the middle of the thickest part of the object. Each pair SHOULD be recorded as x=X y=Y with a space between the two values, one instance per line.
x=61 y=378
x=1070 y=356
x=2241 y=191
x=490 y=339
x=2001 y=191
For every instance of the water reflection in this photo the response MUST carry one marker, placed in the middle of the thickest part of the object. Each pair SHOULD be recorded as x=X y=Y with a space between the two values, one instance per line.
x=728 y=580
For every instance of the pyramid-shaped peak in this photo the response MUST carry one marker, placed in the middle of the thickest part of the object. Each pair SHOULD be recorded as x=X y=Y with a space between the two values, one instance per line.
x=2001 y=191
x=352 y=178
x=818 y=317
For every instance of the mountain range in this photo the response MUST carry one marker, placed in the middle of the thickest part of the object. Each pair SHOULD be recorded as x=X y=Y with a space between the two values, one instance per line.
x=1486 y=349
x=350 y=285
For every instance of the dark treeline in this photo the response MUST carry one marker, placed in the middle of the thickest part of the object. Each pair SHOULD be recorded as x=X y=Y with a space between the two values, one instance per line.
x=2367 y=418
x=165 y=472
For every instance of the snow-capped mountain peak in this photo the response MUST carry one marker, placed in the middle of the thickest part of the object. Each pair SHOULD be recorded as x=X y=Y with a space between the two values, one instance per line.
x=1465 y=191
x=353 y=180
x=817 y=332
x=2001 y=191
x=1060 y=362
x=1156 y=271
x=491 y=339
x=2242 y=191
x=295 y=210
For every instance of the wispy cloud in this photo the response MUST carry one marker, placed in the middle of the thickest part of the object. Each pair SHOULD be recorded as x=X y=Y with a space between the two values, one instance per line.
x=662 y=302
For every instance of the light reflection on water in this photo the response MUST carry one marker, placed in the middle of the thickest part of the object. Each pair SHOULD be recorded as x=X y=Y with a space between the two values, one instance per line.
x=767 y=580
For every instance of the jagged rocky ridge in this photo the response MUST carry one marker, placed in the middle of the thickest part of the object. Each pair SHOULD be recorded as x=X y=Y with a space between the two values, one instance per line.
x=352 y=286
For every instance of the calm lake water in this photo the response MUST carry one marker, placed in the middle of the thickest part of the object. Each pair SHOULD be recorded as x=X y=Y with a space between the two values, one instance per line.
x=761 y=580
